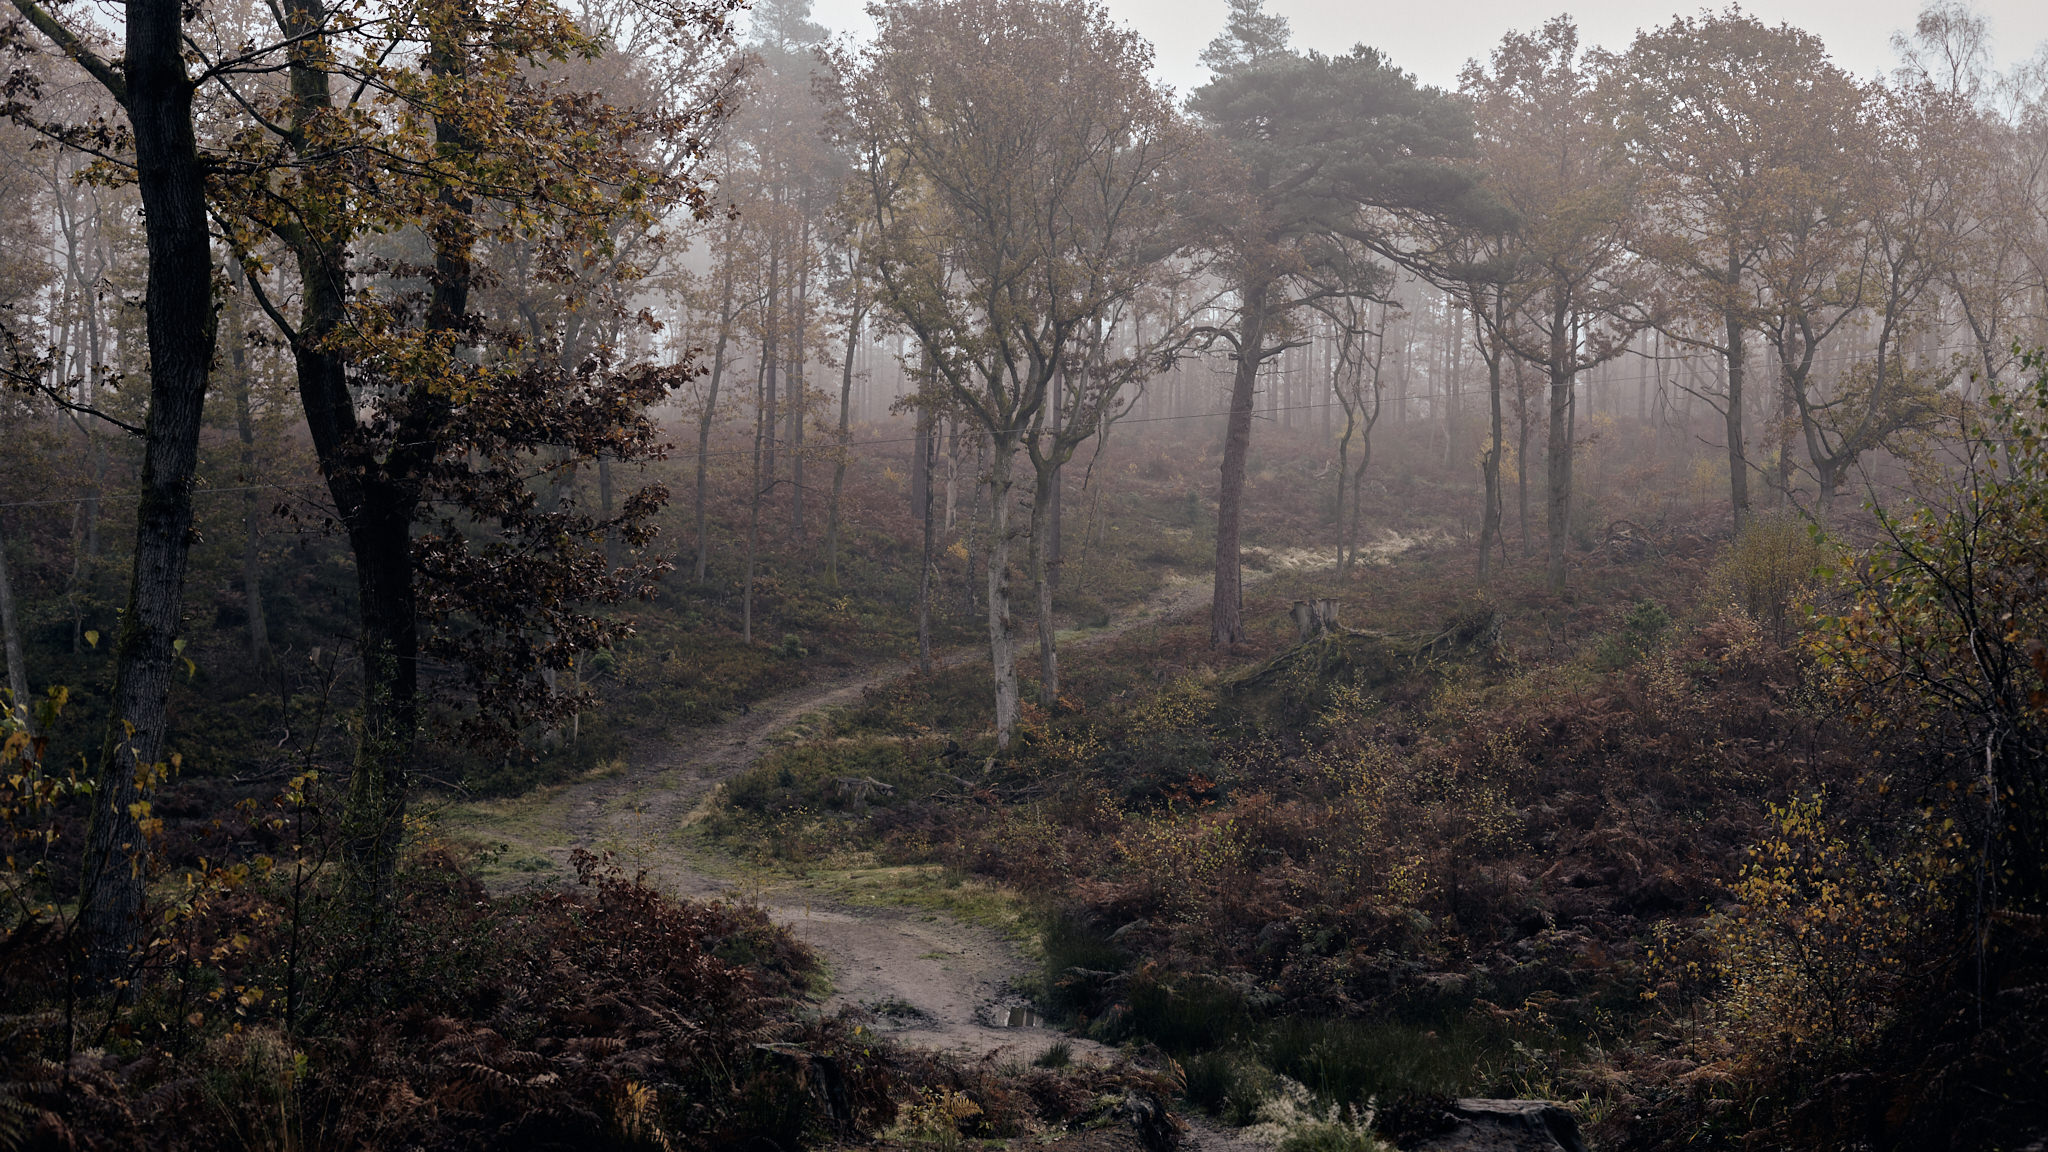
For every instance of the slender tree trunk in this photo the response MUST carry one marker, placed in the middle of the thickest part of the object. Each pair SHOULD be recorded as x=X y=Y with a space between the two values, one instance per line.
x=771 y=347
x=1559 y=476
x=85 y=558
x=1044 y=506
x=952 y=472
x=1226 y=608
x=926 y=443
x=757 y=486
x=967 y=536
x=1347 y=544
x=799 y=392
x=920 y=467
x=1522 y=463
x=252 y=504
x=1559 y=494
x=180 y=322
x=1489 y=466
x=1738 y=464
x=604 y=511
x=705 y=420
x=19 y=703
x=1002 y=639
x=840 y=460
x=1055 y=491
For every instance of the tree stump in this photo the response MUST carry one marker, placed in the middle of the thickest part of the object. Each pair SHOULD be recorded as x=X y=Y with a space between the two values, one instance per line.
x=1315 y=617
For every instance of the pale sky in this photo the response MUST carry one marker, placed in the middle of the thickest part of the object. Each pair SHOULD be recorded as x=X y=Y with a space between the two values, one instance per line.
x=1434 y=38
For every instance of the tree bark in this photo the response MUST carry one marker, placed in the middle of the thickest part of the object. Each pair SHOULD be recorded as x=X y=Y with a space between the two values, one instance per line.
x=771 y=350
x=252 y=504
x=1558 y=496
x=704 y=421
x=799 y=390
x=170 y=176
x=1522 y=463
x=927 y=441
x=1559 y=492
x=839 y=461
x=1002 y=639
x=10 y=636
x=1226 y=607
x=1489 y=465
x=1738 y=464
x=757 y=486
x=1044 y=504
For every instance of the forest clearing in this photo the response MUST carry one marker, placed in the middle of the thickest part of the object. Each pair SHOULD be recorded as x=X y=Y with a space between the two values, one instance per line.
x=644 y=575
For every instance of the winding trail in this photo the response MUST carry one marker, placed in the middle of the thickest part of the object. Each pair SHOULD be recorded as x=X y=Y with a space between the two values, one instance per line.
x=930 y=978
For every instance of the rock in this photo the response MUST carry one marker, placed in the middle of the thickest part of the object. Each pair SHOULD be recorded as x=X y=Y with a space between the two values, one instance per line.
x=1505 y=1126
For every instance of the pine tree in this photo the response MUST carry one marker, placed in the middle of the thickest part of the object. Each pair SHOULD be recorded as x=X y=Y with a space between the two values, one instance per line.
x=1251 y=35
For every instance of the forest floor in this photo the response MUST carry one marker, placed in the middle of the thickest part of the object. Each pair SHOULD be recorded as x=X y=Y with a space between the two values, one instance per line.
x=936 y=960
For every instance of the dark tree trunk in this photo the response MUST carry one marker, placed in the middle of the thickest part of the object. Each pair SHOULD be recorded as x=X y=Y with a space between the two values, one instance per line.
x=920 y=466
x=839 y=461
x=771 y=349
x=179 y=318
x=1044 y=547
x=1738 y=464
x=1558 y=495
x=252 y=503
x=1002 y=626
x=1522 y=463
x=18 y=702
x=1226 y=608
x=704 y=422
x=757 y=485
x=927 y=442
x=1489 y=465
x=799 y=390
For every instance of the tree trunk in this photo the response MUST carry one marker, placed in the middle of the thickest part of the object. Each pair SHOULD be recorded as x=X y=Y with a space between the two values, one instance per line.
x=771 y=346
x=1002 y=640
x=1738 y=464
x=1226 y=607
x=920 y=464
x=704 y=421
x=380 y=534
x=1559 y=494
x=1055 y=490
x=1522 y=463
x=180 y=322
x=799 y=394
x=926 y=442
x=1489 y=467
x=10 y=636
x=605 y=496
x=252 y=504
x=757 y=486
x=1044 y=561
x=839 y=462
x=1347 y=545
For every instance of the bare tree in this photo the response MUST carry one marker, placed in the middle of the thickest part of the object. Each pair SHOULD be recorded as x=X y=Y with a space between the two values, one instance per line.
x=1008 y=155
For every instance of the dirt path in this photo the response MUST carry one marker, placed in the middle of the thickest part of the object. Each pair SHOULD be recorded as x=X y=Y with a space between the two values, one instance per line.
x=934 y=980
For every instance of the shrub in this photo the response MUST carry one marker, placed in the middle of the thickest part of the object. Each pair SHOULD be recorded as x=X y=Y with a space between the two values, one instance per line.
x=1330 y=1137
x=1356 y=1061
x=1230 y=1086
x=1774 y=563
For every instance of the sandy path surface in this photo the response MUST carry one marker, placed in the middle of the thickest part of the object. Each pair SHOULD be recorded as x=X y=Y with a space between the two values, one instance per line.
x=931 y=979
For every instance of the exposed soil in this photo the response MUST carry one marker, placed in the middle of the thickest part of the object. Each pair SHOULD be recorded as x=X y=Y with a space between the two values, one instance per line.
x=927 y=977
